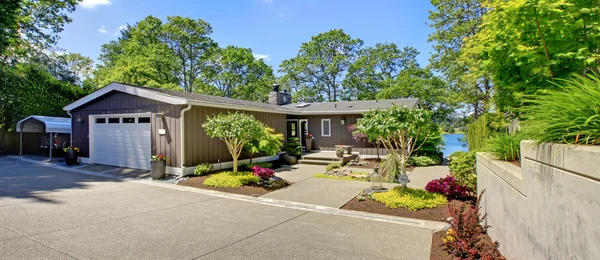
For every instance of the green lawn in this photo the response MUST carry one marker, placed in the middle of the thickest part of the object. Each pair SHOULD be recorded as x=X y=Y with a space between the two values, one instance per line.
x=347 y=178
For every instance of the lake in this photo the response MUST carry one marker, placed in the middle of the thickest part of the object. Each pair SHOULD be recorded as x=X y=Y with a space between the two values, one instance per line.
x=453 y=144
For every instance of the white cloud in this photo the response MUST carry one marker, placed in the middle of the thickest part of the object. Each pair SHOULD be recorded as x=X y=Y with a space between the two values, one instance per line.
x=91 y=4
x=102 y=29
x=281 y=15
x=259 y=56
x=121 y=27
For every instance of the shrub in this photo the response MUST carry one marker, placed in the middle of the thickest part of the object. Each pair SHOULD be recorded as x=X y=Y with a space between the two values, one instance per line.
x=463 y=239
x=505 y=146
x=479 y=131
x=332 y=166
x=390 y=167
x=231 y=179
x=427 y=160
x=260 y=164
x=413 y=199
x=293 y=147
x=462 y=165
x=203 y=169
x=263 y=173
x=569 y=114
x=448 y=187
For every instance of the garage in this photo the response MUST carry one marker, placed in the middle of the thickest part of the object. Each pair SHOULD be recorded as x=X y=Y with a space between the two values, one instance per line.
x=121 y=140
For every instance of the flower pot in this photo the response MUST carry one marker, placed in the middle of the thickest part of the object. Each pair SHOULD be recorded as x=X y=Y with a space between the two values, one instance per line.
x=339 y=153
x=71 y=157
x=349 y=150
x=158 y=169
x=308 y=145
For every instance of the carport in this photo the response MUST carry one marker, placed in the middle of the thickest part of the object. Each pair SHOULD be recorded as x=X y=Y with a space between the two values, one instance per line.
x=44 y=124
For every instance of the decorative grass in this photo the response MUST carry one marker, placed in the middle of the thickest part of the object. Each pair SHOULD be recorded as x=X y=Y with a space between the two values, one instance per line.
x=412 y=199
x=505 y=146
x=231 y=180
x=347 y=178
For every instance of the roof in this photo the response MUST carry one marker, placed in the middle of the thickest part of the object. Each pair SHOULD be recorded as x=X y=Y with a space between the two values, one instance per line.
x=185 y=98
x=53 y=124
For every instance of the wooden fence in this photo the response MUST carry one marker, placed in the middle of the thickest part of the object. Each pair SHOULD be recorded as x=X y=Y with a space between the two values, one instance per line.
x=9 y=142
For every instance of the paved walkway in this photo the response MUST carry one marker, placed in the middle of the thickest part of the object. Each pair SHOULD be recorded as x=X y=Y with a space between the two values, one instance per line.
x=420 y=176
x=55 y=214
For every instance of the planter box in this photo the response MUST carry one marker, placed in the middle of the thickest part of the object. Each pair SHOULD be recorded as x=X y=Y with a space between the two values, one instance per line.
x=71 y=157
x=158 y=169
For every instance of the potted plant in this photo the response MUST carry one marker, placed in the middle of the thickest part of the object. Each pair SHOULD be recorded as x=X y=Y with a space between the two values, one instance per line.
x=71 y=155
x=339 y=151
x=309 y=137
x=159 y=165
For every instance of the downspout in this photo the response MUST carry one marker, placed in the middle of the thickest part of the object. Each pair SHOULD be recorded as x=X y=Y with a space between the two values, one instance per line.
x=71 y=128
x=182 y=137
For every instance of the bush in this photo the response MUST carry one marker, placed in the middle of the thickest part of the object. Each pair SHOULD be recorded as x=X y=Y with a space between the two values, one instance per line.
x=448 y=187
x=413 y=199
x=569 y=114
x=427 y=160
x=505 y=146
x=293 y=147
x=463 y=239
x=332 y=166
x=433 y=144
x=462 y=165
x=260 y=164
x=263 y=173
x=479 y=131
x=231 y=180
x=203 y=169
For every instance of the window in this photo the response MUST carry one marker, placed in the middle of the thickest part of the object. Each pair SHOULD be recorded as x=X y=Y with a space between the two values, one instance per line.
x=113 y=120
x=325 y=127
x=100 y=120
x=144 y=120
x=128 y=120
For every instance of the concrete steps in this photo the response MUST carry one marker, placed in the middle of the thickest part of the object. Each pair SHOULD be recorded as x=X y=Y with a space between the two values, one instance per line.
x=316 y=162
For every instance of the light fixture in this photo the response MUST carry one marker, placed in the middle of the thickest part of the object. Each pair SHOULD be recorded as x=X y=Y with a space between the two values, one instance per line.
x=376 y=180
x=79 y=119
x=160 y=116
x=343 y=121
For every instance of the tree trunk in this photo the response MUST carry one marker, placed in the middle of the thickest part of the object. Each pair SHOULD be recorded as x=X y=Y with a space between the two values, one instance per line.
x=235 y=164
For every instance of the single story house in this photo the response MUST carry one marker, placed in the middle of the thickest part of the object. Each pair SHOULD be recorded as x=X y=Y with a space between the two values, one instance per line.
x=123 y=125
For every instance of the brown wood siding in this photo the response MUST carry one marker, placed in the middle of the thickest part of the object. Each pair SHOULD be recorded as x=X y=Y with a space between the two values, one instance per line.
x=123 y=103
x=200 y=148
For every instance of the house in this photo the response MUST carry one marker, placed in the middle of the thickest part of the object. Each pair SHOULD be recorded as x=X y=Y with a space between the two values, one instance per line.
x=123 y=125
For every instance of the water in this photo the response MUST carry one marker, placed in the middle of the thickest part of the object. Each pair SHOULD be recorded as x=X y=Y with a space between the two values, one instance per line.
x=453 y=144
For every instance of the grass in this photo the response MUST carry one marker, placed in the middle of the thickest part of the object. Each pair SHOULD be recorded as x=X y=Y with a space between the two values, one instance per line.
x=347 y=178
x=505 y=146
x=412 y=199
x=231 y=180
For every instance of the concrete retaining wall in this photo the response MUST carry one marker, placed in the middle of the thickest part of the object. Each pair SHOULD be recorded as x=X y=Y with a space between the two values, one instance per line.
x=547 y=209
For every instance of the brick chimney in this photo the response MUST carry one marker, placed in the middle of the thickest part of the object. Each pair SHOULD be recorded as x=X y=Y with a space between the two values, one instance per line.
x=279 y=98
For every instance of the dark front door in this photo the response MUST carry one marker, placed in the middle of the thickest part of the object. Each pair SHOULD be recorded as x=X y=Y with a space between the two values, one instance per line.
x=292 y=129
x=303 y=132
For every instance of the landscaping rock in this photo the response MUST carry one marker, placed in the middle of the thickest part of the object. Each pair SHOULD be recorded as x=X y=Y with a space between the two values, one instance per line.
x=277 y=182
x=287 y=159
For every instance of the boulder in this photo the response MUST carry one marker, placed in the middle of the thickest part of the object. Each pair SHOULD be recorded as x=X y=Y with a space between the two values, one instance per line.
x=277 y=182
x=287 y=159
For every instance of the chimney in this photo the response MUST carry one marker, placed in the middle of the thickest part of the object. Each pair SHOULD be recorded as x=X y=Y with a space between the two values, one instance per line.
x=278 y=98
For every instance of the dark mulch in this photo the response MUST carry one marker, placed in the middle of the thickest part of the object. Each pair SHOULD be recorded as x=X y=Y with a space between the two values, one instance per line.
x=517 y=163
x=437 y=250
x=198 y=182
x=436 y=214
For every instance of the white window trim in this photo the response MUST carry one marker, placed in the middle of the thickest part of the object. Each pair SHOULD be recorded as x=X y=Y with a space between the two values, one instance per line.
x=323 y=127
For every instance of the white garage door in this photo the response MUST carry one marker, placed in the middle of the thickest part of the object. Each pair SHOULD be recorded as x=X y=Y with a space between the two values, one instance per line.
x=123 y=141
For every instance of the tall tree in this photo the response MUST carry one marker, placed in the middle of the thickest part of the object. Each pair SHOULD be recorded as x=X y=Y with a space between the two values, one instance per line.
x=234 y=72
x=454 y=21
x=317 y=71
x=375 y=69
x=70 y=67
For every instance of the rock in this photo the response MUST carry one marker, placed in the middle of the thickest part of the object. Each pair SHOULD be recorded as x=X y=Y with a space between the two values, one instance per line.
x=287 y=159
x=277 y=182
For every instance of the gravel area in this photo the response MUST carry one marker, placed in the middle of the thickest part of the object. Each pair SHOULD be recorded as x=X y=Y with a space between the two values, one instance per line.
x=169 y=179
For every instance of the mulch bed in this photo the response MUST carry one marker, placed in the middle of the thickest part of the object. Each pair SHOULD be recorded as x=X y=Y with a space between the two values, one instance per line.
x=436 y=214
x=198 y=182
x=437 y=250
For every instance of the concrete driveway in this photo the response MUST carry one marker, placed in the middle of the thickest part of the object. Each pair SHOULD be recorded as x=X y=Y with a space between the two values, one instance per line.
x=53 y=214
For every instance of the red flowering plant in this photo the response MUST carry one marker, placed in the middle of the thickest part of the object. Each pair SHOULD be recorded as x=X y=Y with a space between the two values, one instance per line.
x=449 y=187
x=263 y=173
x=159 y=157
x=309 y=136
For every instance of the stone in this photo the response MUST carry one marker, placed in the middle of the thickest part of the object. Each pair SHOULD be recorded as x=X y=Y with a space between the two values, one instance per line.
x=277 y=182
x=287 y=159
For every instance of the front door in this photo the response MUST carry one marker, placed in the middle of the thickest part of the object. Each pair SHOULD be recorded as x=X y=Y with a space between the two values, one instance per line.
x=303 y=131
x=292 y=128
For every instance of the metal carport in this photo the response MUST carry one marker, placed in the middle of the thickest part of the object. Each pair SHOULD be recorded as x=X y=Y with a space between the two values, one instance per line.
x=43 y=124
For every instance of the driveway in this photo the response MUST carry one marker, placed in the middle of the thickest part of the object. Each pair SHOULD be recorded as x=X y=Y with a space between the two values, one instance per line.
x=53 y=214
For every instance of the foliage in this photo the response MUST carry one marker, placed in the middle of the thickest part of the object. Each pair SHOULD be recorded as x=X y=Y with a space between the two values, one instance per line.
x=449 y=187
x=525 y=45
x=71 y=148
x=159 y=157
x=346 y=178
x=340 y=149
x=293 y=147
x=505 y=146
x=412 y=199
x=260 y=164
x=570 y=114
x=400 y=130
x=231 y=179
x=462 y=166
x=463 y=239
x=391 y=168
x=425 y=160
x=332 y=166
x=263 y=173
x=480 y=130
x=432 y=143
x=316 y=73
x=203 y=169
x=70 y=67
x=235 y=129
x=267 y=142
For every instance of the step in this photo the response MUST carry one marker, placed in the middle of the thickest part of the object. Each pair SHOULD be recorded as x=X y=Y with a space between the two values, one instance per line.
x=321 y=158
x=315 y=162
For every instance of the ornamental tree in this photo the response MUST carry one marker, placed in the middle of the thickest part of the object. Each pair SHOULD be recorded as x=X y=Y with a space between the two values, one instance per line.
x=235 y=129
x=268 y=142
x=400 y=130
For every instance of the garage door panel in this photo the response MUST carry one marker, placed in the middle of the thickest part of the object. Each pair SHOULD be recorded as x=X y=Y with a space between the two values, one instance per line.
x=123 y=145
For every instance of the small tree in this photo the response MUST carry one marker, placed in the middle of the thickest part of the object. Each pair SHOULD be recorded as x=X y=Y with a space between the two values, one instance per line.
x=235 y=129
x=269 y=142
x=398 y=129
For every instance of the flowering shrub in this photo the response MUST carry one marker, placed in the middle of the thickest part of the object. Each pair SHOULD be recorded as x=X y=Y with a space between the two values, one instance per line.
x=263 y=173
x=449 y=187
x=159 y=157
x=76 y=149
x=464 y=238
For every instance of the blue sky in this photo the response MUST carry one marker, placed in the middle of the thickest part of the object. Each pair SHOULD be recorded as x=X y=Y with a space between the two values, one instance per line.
x=273 y=28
